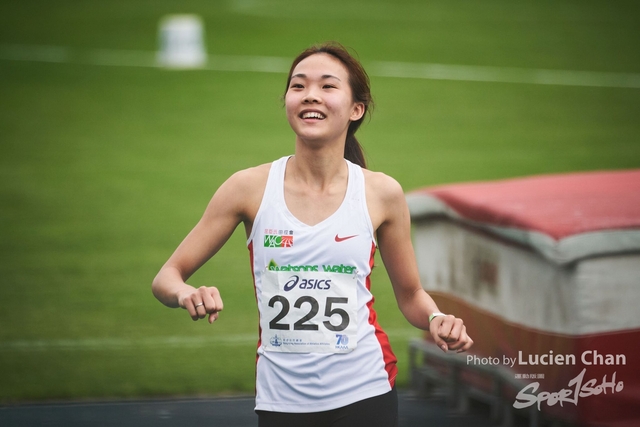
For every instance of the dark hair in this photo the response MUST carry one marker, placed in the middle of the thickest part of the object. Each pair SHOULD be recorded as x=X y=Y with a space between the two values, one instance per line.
x=360 y=89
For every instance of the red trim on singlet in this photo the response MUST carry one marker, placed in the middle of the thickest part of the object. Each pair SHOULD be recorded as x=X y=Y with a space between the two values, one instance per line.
x=390 y=360
x=255 y=294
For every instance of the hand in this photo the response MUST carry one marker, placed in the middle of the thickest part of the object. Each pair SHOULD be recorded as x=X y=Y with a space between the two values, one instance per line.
x=450 y=333
x=202 y=302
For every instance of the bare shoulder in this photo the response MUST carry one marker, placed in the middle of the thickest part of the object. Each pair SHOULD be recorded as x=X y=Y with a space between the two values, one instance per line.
x=242 y=192
x=382 y=186
x=384 y=196
x=250 y=179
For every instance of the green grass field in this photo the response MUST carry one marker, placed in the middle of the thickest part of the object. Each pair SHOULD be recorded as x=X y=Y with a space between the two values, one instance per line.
x=105 y=169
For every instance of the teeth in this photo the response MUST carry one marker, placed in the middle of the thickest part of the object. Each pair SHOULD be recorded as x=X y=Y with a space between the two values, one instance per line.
x=312 y=115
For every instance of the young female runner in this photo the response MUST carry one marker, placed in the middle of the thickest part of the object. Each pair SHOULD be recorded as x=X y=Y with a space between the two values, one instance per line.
x=313 y=222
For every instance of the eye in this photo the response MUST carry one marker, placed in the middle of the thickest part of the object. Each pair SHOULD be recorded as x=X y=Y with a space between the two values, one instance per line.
x=296 y=86
x=328 y=86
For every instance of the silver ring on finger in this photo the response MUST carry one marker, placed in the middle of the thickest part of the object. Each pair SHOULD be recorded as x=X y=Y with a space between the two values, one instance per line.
x=198 y=305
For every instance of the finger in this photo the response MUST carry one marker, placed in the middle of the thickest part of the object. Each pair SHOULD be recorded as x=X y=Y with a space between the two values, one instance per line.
x=212 y=302
x=213 y=317
x=446 y=326
x=455 y=332
x=201 y=311
x=205 y=304
x=434 y=327
x=210 y=296
x=190 y=307
x=467 y=346
x=463 y=344
x=215 y=295
x=461 y=341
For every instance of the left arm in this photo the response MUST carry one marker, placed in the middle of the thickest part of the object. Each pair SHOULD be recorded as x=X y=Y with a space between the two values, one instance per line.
x=391 y=220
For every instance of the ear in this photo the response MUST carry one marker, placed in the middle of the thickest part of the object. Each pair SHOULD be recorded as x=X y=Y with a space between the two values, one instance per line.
x=357 y=112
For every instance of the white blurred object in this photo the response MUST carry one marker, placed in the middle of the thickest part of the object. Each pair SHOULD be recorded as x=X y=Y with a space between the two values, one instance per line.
x=181 y=42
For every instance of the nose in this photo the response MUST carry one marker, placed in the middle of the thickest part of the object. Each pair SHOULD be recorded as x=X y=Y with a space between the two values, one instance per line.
x=310 y=98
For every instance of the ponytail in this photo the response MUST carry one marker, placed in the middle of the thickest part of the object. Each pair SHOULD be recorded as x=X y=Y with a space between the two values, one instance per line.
x=353 y=151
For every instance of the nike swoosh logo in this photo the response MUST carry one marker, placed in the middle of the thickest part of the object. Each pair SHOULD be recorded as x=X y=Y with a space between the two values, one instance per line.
x=342 y=239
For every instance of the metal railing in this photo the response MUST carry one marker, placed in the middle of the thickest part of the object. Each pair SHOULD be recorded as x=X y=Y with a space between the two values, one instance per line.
x=432 y=371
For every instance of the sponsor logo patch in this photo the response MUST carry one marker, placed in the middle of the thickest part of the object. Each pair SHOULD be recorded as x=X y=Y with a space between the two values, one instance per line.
x=278 y=238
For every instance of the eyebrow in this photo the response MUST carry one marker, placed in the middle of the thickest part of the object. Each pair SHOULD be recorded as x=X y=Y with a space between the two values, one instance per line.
x=324 y=76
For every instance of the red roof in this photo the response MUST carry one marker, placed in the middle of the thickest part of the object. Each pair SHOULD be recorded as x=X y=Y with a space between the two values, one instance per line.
x=556 y=205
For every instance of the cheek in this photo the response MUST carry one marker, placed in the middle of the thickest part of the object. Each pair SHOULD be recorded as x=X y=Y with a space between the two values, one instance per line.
x=291 y=110
x=342 y=108
x=290 y=103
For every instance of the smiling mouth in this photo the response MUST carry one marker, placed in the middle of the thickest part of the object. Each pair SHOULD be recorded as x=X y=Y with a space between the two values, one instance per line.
x=312 y=115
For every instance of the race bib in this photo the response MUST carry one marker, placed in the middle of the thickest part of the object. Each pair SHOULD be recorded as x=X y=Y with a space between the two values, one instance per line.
x=308 y=312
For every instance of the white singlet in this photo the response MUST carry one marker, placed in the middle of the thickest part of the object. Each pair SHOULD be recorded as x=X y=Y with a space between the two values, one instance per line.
x=320 y=344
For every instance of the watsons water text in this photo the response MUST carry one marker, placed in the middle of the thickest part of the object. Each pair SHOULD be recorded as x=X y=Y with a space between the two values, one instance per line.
x=338 y=268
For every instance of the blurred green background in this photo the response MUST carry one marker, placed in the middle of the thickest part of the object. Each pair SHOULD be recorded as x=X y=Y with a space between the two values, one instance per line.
x=106 y=168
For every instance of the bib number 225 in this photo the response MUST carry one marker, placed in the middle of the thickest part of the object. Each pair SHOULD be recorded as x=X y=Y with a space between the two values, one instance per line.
x=311 y=306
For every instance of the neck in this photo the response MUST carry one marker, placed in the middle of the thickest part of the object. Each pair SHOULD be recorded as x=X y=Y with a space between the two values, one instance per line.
x=318 y=167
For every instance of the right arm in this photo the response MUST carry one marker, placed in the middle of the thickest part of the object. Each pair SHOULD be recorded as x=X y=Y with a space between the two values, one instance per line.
x=237 y=200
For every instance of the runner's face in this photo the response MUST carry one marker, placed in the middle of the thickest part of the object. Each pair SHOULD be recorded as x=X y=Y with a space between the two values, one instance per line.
x=319 y=102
